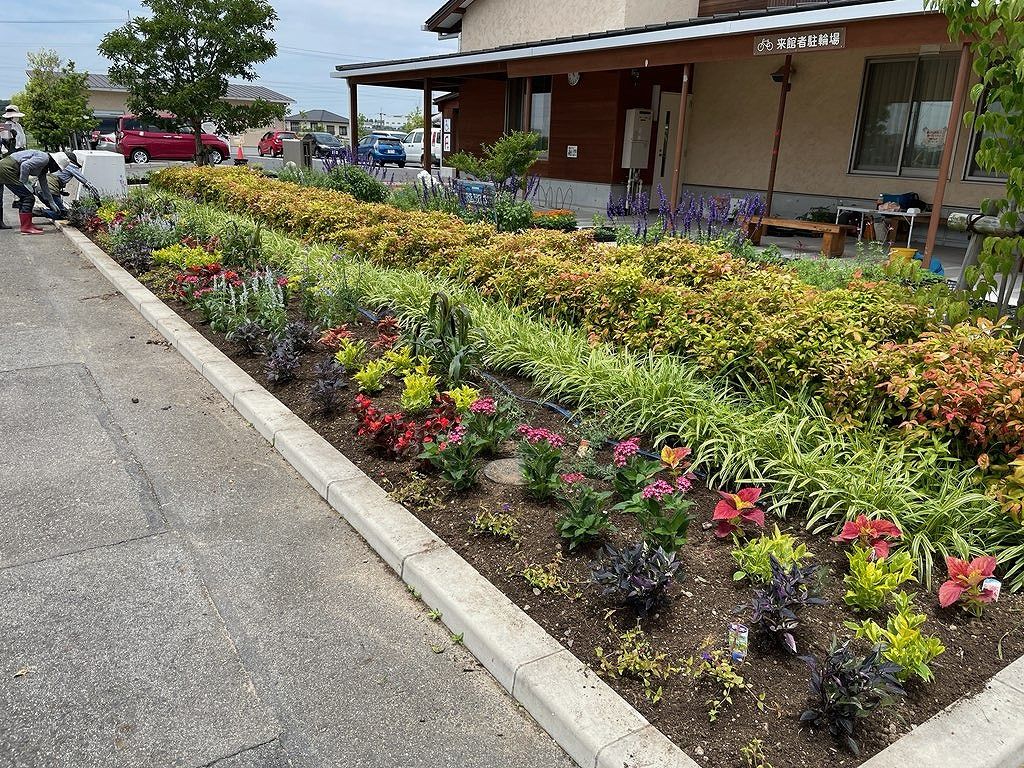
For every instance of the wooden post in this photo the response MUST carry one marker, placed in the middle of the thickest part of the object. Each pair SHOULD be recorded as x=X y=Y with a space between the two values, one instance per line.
x=956 y=111
x=677 y=159
x=787 y=71
x=353 y=120
x=428 y=135
x=527 y=104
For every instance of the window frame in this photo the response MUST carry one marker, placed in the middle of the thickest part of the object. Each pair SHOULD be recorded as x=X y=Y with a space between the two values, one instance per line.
x=855 y=145
x=972 y=147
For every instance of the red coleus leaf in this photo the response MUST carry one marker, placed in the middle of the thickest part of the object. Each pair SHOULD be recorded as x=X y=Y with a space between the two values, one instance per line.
x=950 y=592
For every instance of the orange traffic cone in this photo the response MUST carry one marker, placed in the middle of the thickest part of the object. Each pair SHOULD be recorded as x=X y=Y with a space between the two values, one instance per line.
x=241 y=159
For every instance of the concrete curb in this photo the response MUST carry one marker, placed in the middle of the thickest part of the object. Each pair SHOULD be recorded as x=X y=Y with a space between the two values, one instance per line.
x=592 y=723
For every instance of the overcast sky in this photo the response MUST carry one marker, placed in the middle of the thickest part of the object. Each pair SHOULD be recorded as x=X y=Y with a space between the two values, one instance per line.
x=312 y=37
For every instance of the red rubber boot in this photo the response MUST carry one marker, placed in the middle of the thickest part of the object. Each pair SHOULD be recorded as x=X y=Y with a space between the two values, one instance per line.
x=27 y=228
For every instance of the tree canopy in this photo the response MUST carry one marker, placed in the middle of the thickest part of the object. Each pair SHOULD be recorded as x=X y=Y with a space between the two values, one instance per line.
x=55 y=100
x=413 y=120
x=179 y=59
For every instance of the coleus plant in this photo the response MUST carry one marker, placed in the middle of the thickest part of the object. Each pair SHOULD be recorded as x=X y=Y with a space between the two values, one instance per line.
x=789 y=591
x=873 y=534
x=965 y=584
x=735 y=510
x=333 y=337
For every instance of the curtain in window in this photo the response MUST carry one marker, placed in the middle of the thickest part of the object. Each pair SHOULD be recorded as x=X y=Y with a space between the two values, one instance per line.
x=884 y=113
x=540 y=111
x=933 y=100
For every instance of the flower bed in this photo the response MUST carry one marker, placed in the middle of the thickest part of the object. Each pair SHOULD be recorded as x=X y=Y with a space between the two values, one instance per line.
x=628 y=559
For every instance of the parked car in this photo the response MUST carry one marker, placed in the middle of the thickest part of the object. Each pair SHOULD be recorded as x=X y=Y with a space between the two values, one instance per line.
x=271 y=144
x=400 y=135
x=381 y=151
x=106 y=127
x=141 y=142
x=106 y=142
x=413 y=145
x=327 y=144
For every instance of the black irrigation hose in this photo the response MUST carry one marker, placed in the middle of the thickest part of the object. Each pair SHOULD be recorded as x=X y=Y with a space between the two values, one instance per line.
x=566 y=414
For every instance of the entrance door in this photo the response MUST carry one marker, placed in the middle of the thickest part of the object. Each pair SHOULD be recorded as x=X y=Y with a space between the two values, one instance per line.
x=668 y=121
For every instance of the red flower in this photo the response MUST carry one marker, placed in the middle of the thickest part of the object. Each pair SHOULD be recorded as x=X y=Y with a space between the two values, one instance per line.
x=965 y=583
x=870 y=533
x=736 y=508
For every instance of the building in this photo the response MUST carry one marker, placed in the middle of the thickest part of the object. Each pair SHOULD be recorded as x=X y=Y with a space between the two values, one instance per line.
x=108 y=100
x=317 y=120
x=863 y=97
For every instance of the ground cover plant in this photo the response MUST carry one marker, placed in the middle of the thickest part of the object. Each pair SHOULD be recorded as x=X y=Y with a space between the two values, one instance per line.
x=650 y=583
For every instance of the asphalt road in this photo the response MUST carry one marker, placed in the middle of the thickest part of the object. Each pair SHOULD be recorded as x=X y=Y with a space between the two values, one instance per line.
x=172 y=593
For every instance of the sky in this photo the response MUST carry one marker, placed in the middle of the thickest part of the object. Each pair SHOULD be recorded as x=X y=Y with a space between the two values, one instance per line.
x=312 y=37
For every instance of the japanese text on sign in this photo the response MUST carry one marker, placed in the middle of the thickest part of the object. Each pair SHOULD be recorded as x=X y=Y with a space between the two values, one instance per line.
x=788 y=42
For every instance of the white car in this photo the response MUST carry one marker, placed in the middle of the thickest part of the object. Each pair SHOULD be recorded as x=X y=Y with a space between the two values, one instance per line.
x=413 y=144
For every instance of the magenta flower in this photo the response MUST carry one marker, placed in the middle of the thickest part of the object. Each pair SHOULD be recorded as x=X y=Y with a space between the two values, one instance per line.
x=484 y=405
x=624 y=451
x=573 y=478
x=534 y=435
x=657 y=490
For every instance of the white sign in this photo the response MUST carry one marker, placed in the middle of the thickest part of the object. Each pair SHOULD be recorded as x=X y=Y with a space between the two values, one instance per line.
x=447 y=125
x=447 y=142
x=572 y=151
x=815 y=40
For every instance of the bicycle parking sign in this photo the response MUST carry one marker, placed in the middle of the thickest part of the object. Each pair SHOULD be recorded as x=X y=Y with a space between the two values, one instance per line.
x=802 y=40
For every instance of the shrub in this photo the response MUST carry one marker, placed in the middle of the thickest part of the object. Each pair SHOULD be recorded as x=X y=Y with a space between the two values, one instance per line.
x=184 y=257
x=663 y=512
x=846 y=688
x=564 y=221
x=353 y=180
x=327 y=387
x=754 y=558
x=902 y=640
x=395 y=434
x=419 y=392
x=639 y=574
x=454 y=454
x=787 y=592
x=371 y=376
x=585 y=518
x=350 y=353
x=282 y=363
x=540 y=450
x=249 y=335
x=871 y=581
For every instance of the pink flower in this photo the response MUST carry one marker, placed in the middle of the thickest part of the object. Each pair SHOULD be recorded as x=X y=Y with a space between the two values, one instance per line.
x=657 y=490
x=684 y=483
x=736 y=508
x=484 y=405
x=870 y=533
x=572 y=478
x=624 y=451
x=282 y=281
x=964 y=583
x=534 y=435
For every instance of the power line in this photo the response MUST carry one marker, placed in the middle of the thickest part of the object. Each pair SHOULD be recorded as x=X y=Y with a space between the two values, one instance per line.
x=61 y=21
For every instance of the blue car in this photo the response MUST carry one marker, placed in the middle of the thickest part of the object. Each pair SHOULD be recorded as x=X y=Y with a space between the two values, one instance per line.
x=381 y=150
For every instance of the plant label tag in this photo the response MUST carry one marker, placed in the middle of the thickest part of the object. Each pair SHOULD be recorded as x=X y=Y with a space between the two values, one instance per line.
x=992 y=587
x=738 y=641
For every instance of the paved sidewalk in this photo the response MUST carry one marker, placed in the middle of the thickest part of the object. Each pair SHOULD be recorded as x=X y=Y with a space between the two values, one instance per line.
x=172 y=593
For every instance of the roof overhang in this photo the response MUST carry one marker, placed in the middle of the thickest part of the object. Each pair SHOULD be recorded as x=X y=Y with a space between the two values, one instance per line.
x=652 y=46
x=447 y=20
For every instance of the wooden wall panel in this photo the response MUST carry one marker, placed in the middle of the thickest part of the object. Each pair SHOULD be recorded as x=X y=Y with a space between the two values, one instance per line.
x=481 y=116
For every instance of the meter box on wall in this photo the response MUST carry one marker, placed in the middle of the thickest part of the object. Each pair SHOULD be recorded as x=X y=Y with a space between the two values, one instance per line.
x=636 y=144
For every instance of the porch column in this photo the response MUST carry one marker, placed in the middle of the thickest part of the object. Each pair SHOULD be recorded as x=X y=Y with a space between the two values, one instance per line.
x=787 y=71
x=677 y=159
x=528 y=104
x=428 y=134
x=353 y=119
x=956 y=111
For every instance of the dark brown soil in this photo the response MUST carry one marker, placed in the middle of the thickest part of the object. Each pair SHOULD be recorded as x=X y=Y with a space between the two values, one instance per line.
x=704 y=600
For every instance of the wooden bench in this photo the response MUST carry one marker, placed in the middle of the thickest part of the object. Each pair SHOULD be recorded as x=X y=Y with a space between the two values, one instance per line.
x=833 y=235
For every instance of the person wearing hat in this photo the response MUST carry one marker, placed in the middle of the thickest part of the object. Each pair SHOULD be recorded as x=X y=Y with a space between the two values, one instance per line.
x=16 y=171
x=16 y=138
x=69 y=169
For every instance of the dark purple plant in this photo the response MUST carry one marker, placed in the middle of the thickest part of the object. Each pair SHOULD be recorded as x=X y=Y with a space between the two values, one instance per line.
x=282 y=363
x=250 y=335
x=639 y=574
x=847 y=687
x=302 y=335
x=776 y=605
x=329 y=383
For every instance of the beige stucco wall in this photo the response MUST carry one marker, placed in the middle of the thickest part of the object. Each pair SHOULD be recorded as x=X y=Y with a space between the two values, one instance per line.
x=493 y=23
x=734 y=110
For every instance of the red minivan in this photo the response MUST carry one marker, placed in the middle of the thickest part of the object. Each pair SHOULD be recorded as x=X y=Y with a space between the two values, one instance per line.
x=141 y=142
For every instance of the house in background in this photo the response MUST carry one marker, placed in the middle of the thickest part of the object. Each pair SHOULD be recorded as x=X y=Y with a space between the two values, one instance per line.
x=317 y=120
x=810 y=103
x=108 y=101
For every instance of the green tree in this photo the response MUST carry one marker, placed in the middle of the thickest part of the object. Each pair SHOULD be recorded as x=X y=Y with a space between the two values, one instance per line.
x=363 y=126
x=995 y=29
x=55 y=100
x=510 y=157
x=413 y=120
x=179 y=60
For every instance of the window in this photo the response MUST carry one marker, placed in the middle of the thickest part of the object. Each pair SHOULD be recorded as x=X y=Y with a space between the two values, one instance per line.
x=974 y=171
x=904 y=111
x=540 y=108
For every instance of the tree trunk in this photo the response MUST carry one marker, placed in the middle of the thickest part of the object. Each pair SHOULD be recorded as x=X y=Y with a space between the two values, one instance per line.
x=197 y=133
